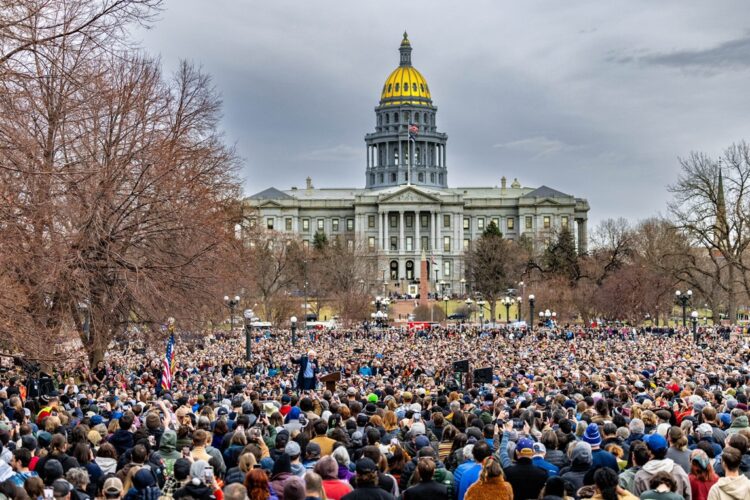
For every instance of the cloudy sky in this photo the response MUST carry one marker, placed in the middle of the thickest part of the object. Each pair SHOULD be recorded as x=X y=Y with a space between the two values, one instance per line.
x=597 y=99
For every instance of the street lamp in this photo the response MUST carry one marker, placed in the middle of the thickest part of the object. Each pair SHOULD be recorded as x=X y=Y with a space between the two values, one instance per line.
x=481 y=304
x=445 y=300
x=683 y=299
x=522 y=286
x=531 y=311
x=463 y=286
x=694 y=319
x=507 y=301
x=293 y=321
x=442 y=287
x=547 y=315
x=231 y=304
x=468 y=303
x=248 y=315
x=519 y=300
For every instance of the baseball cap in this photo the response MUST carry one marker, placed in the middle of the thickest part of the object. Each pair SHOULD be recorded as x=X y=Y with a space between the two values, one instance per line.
x=525 y=447
x=112 y=487
x=365 y=465
x=539 y=448
x=705 y=430
x=701 y=460
x=655 y=442
x=292 y=449
x=61 y=488
x=421 y=442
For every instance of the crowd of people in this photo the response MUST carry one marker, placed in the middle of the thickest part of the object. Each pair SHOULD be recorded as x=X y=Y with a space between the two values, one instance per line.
x=596 y=414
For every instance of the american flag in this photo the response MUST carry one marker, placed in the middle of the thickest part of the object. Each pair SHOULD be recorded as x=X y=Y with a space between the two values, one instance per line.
x=413 y=131
x=168 y=365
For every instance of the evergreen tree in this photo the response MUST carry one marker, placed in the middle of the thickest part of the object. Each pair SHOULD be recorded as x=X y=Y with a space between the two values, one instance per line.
x=320 y=240
x=560 y=257
x=492 y=230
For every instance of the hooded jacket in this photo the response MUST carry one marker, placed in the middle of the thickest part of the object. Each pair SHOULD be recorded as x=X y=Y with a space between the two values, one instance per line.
x=730 y=488
x=738 y=424
x=106 y=464
x=644 y=475
x=168 y=446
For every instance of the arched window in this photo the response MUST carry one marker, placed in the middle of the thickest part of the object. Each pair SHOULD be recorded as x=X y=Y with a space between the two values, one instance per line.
x=380 y=120
x=387 y=118
x=421 y=87
x=416 y=117
x=410 y=270
x=393 y=176
x=421 y=177
x=414 y=87
x=441 y=178
x=395 y=117
x=395 y=157
x=380 y=178
x=394 y=270
x=372 y=178
x=390 y=87
x=425 y=118
x=432 y=178
x=397 y=87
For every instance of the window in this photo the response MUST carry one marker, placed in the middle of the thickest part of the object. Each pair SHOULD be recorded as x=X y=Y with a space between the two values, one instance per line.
x=409 y=270
x=393 y=220
x=371 y=221
x=529 y=222
x=395 y=117
x=446 y=268
x=394 y=270
x=511 y=223
x=425 y=242
x=395 y=162
x=335 y=224
x=496 y=220
x=467 y=244
x=446 y=220
x=409 y=244
x=446 y=243
x=397 y=87
x=467 y=223
x=421 y=177
x=394 y=243
x=390 y=88
x=564 y=221
x=432 y=178
x=480 y=223
x=381 y=178
x=414 y=87
x=409 y=220
x=321 y=224
x=288 y=223
x=393 y=174
x=371 y=243
x=269 y=223
x=547 y=222
x=350 y=224
x=424 y=218
x=305 y=224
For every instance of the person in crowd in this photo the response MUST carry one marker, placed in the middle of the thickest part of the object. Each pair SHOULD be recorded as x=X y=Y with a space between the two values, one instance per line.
x=366 y=483
x=659 y=462
x=607 y=488
x=492 y=484
x=733 y=486
x=424 y=485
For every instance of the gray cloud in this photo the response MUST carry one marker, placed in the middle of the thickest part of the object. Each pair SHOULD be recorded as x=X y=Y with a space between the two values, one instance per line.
x=341 y=152
x=730 y=54
x=538 y=146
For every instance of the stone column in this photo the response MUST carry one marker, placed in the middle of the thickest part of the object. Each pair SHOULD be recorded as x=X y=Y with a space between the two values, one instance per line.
x=433 y=228
x=380 y=230
x=417 y=236
x=401 y=242
x=582 y=236
x=387 y=239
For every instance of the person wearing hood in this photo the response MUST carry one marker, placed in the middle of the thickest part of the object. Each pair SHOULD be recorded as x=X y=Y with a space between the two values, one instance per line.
x=198 y=488
x=106 y=459
x=280 y=474
x=739 y=422
x=580 y=459
x=733 y=486
x=640 y=456
x=294 y=451
x=168 y=447
x=657 y=446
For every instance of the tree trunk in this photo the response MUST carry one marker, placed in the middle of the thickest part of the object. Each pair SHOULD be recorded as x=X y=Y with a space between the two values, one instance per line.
x=731 y=296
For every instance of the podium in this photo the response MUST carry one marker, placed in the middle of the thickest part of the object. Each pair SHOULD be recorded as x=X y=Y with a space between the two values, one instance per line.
x=330 y=380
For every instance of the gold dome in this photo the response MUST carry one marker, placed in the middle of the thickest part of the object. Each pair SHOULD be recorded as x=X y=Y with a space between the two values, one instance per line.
x=405 y=85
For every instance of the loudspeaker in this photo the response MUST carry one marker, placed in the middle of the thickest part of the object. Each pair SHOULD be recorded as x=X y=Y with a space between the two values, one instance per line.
x=461 y=366
x=483 y=376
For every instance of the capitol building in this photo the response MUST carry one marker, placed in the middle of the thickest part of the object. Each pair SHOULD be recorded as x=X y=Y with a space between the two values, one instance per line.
x=406 y=208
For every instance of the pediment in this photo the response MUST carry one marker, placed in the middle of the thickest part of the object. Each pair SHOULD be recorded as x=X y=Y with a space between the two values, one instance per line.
x=270 y=204
x=409 y=194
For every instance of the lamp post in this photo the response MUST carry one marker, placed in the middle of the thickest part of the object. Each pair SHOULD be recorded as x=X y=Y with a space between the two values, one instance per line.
x=531 y=311
x=463 y=286
x=519 y=301
x=520 y=297
x=445 y=300
x=481 y=304
x=442 y=288
x=293 y=321
x=507 y=301
x=468 y=303
x=694 y=319
x=547 y=316
x=683 y=299
x=554 y=317
x=248 y=315
x=231 y=304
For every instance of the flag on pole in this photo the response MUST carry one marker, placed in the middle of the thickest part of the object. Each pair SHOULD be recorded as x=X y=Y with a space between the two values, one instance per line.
x=168 y=365
x=413 y=131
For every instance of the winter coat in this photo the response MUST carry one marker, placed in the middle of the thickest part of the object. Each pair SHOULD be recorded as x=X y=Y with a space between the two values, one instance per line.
x=738 y=424
x=557 y=458
x=106 y=464
x=122 y=440
x=495 y=488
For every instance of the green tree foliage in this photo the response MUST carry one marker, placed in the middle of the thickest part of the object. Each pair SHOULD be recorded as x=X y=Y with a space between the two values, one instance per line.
x=492 y=230
x=561 y=258
x=320 y=240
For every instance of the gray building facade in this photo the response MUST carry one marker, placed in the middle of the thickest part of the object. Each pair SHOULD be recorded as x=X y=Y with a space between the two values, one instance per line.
x=406 y=207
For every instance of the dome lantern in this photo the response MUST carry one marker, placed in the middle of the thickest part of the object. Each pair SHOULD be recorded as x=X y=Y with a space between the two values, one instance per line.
x=405 y=50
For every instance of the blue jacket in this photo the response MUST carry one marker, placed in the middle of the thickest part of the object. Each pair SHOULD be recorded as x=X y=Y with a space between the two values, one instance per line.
x=603 y=458
x=469 y=477
x=552 y=470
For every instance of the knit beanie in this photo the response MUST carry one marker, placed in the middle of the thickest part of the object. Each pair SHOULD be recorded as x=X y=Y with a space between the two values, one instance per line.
x=591 y=435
